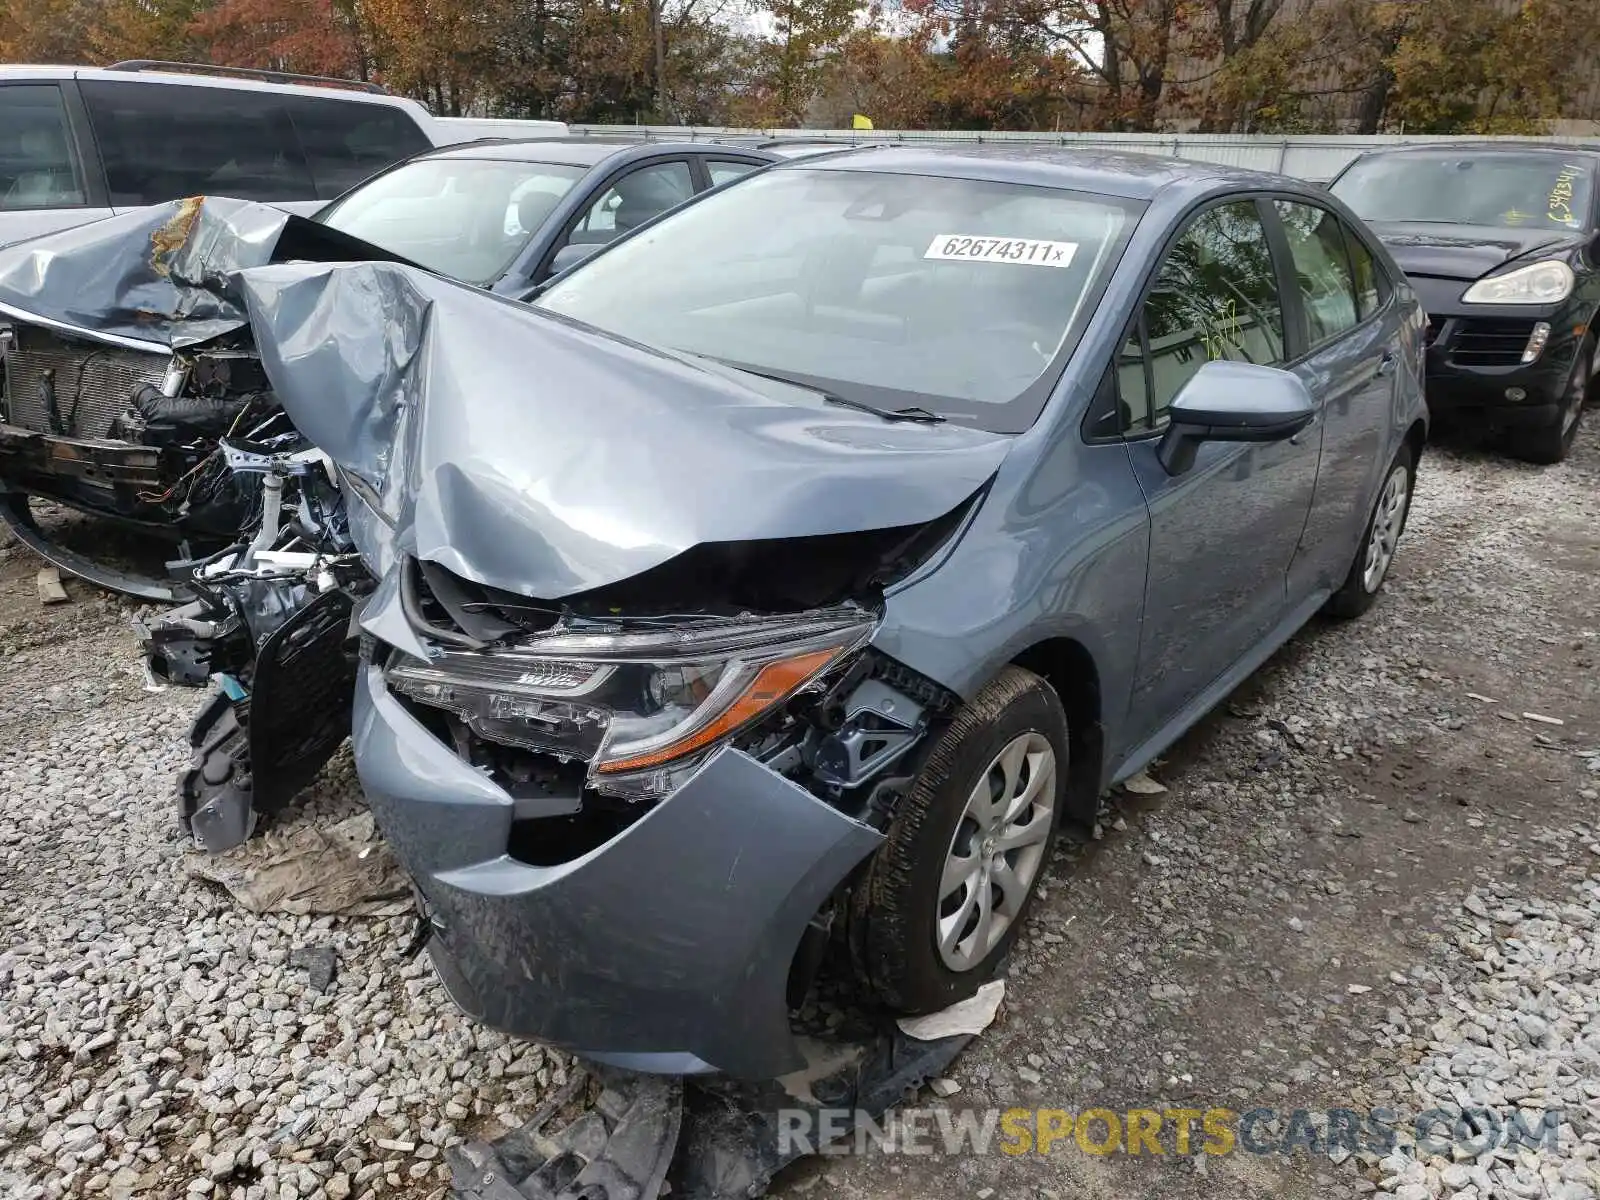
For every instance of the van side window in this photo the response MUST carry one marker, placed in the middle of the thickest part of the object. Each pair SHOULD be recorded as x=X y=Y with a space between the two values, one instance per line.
x=347 y=141
x=162 y=143
x=37 y=166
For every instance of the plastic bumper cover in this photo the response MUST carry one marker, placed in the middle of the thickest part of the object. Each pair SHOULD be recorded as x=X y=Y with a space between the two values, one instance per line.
x=666 y=949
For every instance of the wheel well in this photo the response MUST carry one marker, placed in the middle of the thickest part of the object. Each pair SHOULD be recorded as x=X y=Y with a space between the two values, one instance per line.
x=1416 y=438
x=1069 y=668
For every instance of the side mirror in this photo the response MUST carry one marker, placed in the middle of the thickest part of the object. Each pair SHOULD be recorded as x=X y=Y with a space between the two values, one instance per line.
x=1234 y=402
x=572 y=254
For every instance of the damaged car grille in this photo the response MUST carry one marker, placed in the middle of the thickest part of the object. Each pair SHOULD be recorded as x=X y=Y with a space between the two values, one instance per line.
x=54 y=386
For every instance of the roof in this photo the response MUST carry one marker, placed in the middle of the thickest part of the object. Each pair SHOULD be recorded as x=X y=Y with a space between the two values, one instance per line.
x=1102 y=172
x=1498 y=146
x=47 y=73
x=574 y=151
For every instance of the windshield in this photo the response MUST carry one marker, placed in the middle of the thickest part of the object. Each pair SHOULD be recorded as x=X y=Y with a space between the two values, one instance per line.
x=956 y=295
x=1506 y=190
x=462 y=217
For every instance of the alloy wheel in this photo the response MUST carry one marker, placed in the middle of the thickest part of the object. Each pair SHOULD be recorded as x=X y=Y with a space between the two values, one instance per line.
x=997 y=851
x=1387 y=522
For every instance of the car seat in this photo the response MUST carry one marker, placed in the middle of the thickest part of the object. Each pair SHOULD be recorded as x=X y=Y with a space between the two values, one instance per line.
x=52 y=186
x=534 y=208
x=645 y=195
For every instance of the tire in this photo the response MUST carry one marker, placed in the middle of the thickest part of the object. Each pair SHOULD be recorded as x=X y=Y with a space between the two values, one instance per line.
x=1012 y=735
x=1380 y=541
x=1550 y=444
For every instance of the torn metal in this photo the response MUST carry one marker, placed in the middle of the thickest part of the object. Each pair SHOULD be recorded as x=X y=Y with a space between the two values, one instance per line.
x=538 y=457
x=127 y=355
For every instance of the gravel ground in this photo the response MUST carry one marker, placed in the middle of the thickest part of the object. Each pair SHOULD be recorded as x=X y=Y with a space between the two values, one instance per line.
x=1372 y=881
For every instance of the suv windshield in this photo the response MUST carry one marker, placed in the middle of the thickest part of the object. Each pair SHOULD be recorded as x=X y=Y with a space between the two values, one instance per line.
x=960 y=296
x=1506 y=190
x=465 y=218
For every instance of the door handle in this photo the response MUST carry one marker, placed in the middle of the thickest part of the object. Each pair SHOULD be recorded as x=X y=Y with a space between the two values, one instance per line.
x=1386 y=363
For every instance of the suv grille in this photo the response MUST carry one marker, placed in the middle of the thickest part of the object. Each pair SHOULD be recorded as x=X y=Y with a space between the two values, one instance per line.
x=94 y=385
x=1490 y=341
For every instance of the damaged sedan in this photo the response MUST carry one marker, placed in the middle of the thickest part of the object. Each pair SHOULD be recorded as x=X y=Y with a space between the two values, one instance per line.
x=782 y=582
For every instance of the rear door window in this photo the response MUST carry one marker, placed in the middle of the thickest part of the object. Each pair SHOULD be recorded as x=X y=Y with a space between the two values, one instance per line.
x=639 y=196
x=37 y=166
x=1322 y=268
x=164 y=142
x=1372 y=286
x=723 y=171
x=348 y=141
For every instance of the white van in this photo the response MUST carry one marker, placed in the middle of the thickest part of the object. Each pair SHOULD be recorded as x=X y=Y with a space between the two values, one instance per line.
x=79 y=143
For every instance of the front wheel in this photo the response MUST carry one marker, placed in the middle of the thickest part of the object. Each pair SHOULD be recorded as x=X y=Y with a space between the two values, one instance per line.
x=944 y=897
x=1550 y=444
x=1379 y=542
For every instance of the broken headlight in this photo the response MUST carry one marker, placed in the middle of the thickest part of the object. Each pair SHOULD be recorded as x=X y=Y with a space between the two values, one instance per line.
x=639 y=707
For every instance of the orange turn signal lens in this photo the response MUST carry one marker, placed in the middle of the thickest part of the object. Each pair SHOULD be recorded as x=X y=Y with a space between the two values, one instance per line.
x=771 y=685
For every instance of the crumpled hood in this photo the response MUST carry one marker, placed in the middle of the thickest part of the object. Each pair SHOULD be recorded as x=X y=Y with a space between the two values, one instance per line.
x=545 y=458
x=161 y=277
x=1465 y=252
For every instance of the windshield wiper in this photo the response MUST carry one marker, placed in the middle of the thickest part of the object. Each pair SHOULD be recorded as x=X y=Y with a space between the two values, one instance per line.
x=912 y=413
x=920 y=415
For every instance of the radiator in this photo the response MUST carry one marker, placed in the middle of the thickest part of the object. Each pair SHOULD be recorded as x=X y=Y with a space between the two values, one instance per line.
x=93 y=384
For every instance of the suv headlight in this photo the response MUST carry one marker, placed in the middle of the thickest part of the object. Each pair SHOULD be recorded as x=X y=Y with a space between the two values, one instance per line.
x=1542 y=283
x=637 y=701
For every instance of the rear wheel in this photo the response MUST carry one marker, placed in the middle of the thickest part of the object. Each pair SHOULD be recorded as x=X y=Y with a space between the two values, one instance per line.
x=944 y=898
x=1379 y=543
x=1552 y=443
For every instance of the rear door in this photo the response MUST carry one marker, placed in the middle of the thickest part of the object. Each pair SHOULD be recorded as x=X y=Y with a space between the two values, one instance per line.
x=1351 y=329
x=47 y=179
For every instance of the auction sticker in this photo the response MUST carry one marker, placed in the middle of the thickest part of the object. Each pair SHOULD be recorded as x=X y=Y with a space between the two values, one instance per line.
x=1029 y=252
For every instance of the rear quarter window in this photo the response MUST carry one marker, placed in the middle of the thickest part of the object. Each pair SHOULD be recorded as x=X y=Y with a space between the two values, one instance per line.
x=348 y=141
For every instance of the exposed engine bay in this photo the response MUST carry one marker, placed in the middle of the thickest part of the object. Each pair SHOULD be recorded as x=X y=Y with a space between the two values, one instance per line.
x=118 y=413
x=587 y=700
x=131 y=436
x=587 y=710
x=271 y=628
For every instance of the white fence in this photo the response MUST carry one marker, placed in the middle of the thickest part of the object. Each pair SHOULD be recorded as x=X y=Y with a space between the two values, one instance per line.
x=1309 y=157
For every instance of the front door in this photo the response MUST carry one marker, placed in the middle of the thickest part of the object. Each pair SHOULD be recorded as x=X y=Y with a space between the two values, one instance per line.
x=1223 y=533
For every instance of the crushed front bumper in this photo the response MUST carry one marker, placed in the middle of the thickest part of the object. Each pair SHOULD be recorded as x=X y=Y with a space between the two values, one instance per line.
x=665 y=949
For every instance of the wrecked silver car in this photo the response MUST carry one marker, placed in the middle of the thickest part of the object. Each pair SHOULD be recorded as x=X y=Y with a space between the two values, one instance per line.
x=124 y=359
x=134 y=391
